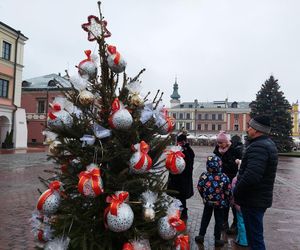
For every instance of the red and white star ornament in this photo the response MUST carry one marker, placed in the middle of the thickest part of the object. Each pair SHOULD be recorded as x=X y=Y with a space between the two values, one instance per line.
x=95 y=28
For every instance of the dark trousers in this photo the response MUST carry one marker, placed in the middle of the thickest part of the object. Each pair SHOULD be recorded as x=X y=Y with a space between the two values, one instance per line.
x=206 y=216
x=253 y=219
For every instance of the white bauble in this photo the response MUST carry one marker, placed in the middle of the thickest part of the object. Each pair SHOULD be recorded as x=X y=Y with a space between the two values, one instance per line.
x=62 y=117
x=122 y=221
x=180 y=166
x=121 y=119
x=165 y=230
x=52 y=203
x=148 y=214
x=88 y=187
x=134 y=160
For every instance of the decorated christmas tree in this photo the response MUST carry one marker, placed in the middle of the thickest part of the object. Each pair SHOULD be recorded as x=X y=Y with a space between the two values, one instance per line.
x=108 y=187
x=270 y=101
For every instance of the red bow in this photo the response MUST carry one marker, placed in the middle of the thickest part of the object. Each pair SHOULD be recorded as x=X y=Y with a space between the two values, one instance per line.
x=183 y=242
x=176 y=222
x=115 y=201
x=115 y=105
x=86 y=176
x=113 y=51
x=53 y=186
x=127 y=246
x=144 y=148
x=171 y=160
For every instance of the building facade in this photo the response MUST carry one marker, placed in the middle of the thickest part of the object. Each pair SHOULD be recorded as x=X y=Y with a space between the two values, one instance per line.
x=208 y=118
x=37 y=93
x=12 y=116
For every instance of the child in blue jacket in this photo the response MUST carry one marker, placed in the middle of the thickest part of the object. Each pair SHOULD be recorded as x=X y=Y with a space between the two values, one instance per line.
x=215 y=190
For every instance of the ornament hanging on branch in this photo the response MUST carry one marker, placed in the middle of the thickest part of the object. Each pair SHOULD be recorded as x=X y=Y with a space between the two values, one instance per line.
x=95 y=28
x=49 y=201
x=164 y=122
x=40 y=227
x=148 y=198
x=134 y=92
x=115 y=61
x=174 y=160
x=85 y=97
x=140 y=162
x=141 y=244
x=87 y=68
x=118 y=215
x=58 y=117
x=59 y=243
x=90 y=182
x=170 y=225
x=54 y=147
x=120 y=117
x=182 y=242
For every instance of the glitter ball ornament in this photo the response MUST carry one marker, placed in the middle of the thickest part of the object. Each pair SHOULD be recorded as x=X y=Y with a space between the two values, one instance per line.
x=182 y=242
x=54 y=147
x=167 y=127
x=169 y=225
x=90 y=182
x=114 y=59
x=58 y=117
x=165 y=230
x=174 y=160
x=59 y=243
x=49 y=201
x=119 y=215
x=122 y=221
x=87 y=68
x=140 y=161
x=148 y=214
x=120 y=117
x=86 y=97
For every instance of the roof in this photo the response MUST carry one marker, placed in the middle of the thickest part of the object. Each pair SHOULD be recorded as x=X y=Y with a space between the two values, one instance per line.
x=13 y=30
x=52 y=81
x=214 y=104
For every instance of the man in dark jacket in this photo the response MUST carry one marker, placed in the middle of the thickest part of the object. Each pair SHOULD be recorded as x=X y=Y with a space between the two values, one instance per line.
x=183 y=183
x=255 y=182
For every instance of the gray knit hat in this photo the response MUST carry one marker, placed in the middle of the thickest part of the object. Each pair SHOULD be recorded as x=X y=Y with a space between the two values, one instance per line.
x=261 y=123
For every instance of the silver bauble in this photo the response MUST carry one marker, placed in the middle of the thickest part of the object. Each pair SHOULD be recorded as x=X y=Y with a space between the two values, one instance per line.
x=122 y=119
x=122 y=221
x=117 y=68
x=134 y=160
x=148 y=214
x=88 y=70
x=86 y=97
x=51 y=204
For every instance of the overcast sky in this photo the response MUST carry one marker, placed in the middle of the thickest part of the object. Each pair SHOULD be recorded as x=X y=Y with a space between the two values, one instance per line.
x=216 y=48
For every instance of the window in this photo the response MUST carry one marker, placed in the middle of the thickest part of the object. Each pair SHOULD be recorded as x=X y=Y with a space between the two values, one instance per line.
x=236 y=127
x=236 y=116
x=213 y=116
x=199 y=126
x=213 y=127
x=220 y=117
x=188 y=116
x=190 y=105
x=41 y=106
x=3 y=88
x=188 y=126
x=199 y=117
x=206 y=116
x=174 y=115
x=180 y=116
x=219 y=127
x=6 y=50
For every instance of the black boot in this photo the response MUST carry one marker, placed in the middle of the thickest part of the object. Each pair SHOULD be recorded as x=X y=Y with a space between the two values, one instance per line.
x=219 y=243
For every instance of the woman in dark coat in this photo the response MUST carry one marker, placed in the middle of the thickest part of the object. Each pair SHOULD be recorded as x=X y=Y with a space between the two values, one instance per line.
x=183 y=183
x=228 y=152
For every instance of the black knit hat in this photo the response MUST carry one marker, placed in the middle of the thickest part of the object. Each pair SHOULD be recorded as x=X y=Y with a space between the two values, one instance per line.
x=261 y=123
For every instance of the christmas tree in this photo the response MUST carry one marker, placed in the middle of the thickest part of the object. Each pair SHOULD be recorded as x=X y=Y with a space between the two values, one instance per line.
x=270 y=101
x=108 y=190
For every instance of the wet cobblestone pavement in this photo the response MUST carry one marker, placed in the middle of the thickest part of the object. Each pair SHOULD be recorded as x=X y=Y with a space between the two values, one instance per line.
x=19 y=183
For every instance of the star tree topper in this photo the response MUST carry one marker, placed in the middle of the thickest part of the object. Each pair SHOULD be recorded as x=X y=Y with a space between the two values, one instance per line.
x=95 y=27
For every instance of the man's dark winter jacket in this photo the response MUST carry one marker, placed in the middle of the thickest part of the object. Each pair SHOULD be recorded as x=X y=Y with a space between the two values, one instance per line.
x=257 y=173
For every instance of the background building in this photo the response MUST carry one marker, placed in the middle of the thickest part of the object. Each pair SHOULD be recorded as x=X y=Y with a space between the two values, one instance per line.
x=11 y=66
x=208 y=118
x=37 y=93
